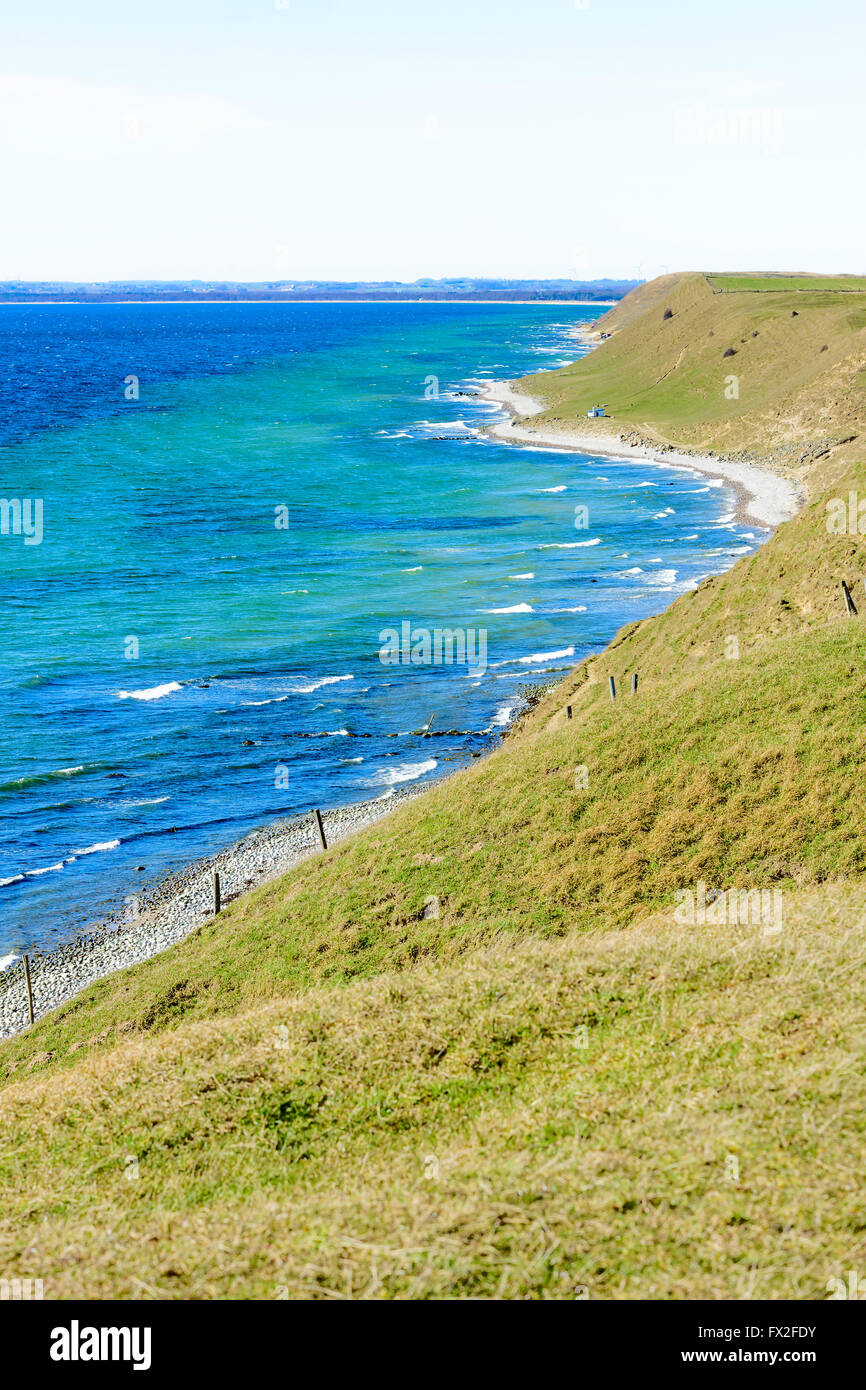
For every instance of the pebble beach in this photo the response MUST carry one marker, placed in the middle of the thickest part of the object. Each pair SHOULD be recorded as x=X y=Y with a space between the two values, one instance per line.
x=176 y=906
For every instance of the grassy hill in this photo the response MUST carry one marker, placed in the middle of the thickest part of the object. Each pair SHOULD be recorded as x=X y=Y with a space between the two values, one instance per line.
x=655 y=1113
x=774 y=283
x=798 y=357
x=553 y=1087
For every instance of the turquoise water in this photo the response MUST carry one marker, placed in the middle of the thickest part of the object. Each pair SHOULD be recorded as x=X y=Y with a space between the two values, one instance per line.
x=180 y=665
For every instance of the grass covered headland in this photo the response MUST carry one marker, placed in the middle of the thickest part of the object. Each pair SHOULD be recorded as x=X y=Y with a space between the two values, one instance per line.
x=584 y=1078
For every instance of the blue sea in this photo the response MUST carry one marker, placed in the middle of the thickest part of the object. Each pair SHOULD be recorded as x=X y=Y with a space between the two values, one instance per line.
x=237 y=501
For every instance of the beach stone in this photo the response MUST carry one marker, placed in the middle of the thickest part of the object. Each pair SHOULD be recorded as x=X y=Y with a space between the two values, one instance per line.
x=173 y=908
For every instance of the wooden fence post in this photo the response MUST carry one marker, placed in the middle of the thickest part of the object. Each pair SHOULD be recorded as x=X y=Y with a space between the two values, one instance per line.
x=849 y=602
x=217 y=903
x=320 y=827
x=612 y=684
x=568 y=711
x=29 y=986
x=634 y=682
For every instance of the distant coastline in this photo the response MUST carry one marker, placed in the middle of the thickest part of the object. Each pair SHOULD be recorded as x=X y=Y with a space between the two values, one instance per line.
x=397 y=299
x=424 y=291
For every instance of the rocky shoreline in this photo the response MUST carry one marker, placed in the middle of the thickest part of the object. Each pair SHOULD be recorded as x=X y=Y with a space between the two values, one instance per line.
x=176 y=905
x=182 y=901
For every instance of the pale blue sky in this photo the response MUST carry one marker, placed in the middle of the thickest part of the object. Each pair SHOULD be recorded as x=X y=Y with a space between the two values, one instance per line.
x=248 y=139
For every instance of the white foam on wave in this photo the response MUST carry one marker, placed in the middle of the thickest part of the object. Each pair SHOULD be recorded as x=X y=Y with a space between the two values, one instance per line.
x=447 y=425
x=516 y=608
x=6 y=960
x=668 y=511
x=581 y=608
x=546 y=656
x=569 y=545
x=403 y=772
x=561 y=488
x=55 y=772
x=49 y=869
x=15 y=878
x=274 y=700
x=502 y=716
x=156 y=692
x=316 y=685
x=414 y=569
x=521 y=576
x=536 y=656
x=95 y=849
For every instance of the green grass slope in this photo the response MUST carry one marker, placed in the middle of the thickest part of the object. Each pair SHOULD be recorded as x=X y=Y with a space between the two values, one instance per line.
x=659 y=1112
x=742 y=772
x=798 y=356
x=325 y=1092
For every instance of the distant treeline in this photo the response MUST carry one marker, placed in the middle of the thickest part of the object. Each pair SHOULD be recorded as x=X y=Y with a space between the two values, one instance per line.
x=120 y=291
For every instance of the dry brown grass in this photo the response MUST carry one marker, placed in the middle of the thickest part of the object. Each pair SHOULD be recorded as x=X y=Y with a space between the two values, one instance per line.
x=444 y=1134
